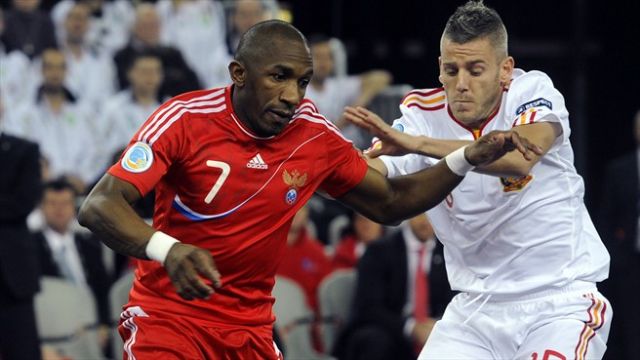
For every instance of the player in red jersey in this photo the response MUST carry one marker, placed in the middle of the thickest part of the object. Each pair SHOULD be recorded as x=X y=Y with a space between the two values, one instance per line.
x=231 y=167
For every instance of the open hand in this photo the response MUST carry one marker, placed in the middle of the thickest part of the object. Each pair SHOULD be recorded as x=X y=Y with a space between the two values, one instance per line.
x=187 y=265
x=390 y=141
x=495 y=144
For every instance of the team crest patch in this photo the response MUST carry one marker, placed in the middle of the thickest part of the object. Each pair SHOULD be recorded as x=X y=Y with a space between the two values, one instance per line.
x=138 y=158
x=534 y=103
x=515 y=183
x=295 y=181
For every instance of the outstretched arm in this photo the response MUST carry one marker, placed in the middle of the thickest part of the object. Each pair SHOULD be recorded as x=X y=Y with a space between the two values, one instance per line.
x=396 y=143
x=388 y=201
x=107 y=212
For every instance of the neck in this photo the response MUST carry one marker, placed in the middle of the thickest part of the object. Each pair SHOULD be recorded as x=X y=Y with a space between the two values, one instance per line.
x=55 y=100
x=75 y=47
x=144 y=98
x=237 y=100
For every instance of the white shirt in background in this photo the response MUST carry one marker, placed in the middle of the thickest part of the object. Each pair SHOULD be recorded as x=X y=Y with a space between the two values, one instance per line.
x=66 y=138
x=197 y=28
x=65 y=255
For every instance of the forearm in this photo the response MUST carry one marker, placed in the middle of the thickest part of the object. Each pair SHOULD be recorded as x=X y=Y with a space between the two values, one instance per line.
x=117 y=224
x=511 y=164
x=389 y=201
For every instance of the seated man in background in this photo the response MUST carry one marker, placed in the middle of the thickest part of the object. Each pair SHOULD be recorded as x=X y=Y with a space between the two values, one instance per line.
x=402 y=289
x=145 y=36
x=128 y=109
x=58 y=123
x=70 y=255
x=332 y=93
x=360 y=233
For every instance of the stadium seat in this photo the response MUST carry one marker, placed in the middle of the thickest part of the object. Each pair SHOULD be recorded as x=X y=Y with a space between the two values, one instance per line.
x=66 y=319
x=294 y=320
x=118 y=296
x=335 y=295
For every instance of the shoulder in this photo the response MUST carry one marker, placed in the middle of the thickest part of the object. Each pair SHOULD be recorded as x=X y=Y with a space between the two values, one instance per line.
x=425 y=99
x=307 y=115
x=526 y=84
x=199 y=101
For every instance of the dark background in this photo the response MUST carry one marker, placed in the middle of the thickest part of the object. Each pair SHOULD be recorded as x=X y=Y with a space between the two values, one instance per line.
x=588 y=48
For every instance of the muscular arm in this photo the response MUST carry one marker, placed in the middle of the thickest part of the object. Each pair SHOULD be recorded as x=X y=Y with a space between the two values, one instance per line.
x=397 y=143
x=107 y=211
x=389 y=201
x=512 y=164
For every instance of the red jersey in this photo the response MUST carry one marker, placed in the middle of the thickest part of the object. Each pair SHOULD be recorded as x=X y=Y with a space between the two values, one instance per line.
x=222 y=188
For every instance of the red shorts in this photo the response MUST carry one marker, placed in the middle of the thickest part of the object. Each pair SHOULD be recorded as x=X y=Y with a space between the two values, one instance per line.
x=164 y=336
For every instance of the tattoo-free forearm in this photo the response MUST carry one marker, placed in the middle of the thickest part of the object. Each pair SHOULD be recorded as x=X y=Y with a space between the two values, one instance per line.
x=116 y=223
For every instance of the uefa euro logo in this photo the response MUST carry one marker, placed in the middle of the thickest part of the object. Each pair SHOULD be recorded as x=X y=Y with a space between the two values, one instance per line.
x=138 y=158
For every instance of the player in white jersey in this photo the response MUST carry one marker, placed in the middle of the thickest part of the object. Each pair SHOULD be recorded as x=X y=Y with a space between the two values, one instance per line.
x=519 y=242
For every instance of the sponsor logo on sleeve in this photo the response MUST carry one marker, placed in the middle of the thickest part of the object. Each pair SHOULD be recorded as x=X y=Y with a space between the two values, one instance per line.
x=534 y=103
x=138 y=158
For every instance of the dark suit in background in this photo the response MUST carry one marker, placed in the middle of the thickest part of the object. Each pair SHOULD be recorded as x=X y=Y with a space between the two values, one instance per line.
x=20 y=190
x=381 y=294
x=619 y=231
x=90 y=253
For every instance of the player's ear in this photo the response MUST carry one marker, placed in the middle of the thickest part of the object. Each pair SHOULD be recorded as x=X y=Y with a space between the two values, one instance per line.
x=238 y=73
x=506 y=71
x=440 y=70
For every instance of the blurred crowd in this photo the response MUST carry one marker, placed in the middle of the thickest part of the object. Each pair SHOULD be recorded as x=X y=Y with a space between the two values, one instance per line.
x=79 y=80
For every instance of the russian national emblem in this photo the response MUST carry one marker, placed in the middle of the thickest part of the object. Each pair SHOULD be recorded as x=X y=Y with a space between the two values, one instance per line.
x=294 y=180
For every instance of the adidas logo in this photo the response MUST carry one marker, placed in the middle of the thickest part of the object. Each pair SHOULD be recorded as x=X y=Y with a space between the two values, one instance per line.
x=257 y=163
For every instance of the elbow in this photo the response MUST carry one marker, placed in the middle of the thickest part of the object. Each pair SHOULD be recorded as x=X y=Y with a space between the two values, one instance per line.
x=385 y=218
x=87 y=213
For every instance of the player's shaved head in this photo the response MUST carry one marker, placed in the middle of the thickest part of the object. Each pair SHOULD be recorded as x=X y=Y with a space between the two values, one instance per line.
x=475 y=20
x=264 y=38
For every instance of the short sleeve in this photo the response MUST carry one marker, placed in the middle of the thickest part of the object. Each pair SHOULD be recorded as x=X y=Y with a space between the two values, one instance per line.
x=410 y=163
x=152 y=150
x=347 y=166
x=534 y=99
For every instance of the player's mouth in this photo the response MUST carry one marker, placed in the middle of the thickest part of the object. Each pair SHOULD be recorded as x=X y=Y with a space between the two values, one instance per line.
x=281 y=116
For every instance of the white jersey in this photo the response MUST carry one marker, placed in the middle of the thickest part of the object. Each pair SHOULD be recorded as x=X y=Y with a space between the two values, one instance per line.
x=509 y=235
x=119 y=120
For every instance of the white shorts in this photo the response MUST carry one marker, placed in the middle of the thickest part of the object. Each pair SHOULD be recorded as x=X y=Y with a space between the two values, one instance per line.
x=569 y=323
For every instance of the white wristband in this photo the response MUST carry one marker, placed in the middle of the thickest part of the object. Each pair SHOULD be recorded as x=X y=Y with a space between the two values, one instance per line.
x=159 y=245
x=458 y=163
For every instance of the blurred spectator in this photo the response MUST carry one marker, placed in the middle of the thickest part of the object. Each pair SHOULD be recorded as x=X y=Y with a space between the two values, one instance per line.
x=19 y=193
x=90 y=76
x=178 y=76
x=197 y=28
x=332 y=93
x=14 y=70
x=620 y=221
x=126 y=111
x=245 y=14
x=27 y=29
x=402 y=289
x=109 y=23
x=304 y=260
x=357 y=237
x=60 y=125
x=73 y=256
